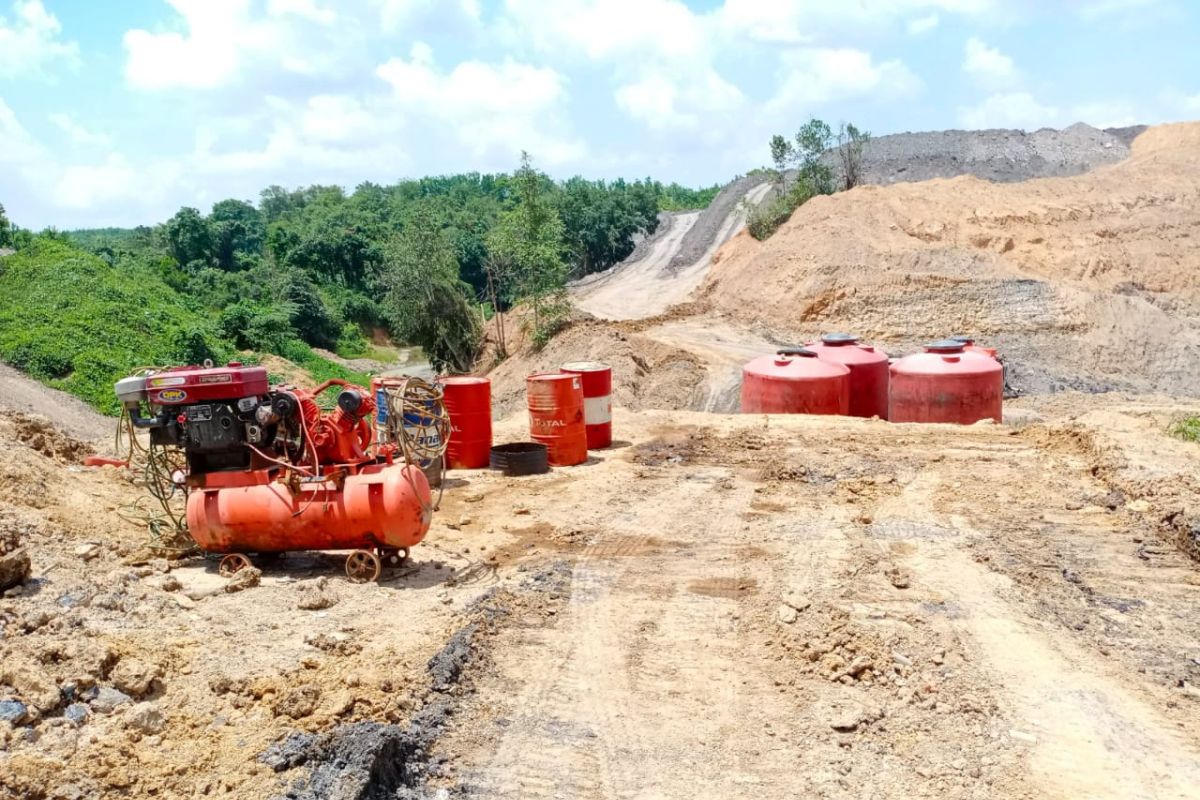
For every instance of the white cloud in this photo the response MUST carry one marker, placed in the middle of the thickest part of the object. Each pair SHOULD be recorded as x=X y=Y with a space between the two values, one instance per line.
x=308 y=9
x=602 y=29
x=223 y=42
x=816 y=76
x=1105 y=114
x=400 y=15
x=30 y=41
x=807 y=21
x=1010 y=110
x=987 y=63
x=206 y=57
x=503 y=107
x=77 y=133
x=662 y=102
x=922 y=24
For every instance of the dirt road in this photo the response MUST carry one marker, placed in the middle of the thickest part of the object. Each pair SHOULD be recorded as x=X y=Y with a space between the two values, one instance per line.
x=720 y=606
x=658 y=280
x=840 y=609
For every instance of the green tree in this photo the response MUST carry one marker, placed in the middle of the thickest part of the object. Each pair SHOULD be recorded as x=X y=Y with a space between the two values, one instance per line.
x=189 y=239
x=527 y=246
x=236 y=233
x=427 y=301
x=850 y=145
x=5 y=229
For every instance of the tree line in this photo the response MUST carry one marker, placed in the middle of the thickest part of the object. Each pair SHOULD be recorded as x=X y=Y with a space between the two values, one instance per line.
x=425 y=261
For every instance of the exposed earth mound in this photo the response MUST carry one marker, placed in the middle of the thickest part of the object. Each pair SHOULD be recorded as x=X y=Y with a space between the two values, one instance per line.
x=1085 y=282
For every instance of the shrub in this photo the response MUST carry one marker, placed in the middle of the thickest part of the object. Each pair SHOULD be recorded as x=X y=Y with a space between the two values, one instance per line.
x=1187 y=429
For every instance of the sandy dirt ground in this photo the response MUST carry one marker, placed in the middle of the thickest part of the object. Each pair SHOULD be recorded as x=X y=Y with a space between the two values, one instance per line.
x=718 y=606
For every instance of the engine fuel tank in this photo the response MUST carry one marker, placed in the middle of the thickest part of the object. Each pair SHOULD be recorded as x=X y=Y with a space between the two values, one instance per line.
x=387 y=506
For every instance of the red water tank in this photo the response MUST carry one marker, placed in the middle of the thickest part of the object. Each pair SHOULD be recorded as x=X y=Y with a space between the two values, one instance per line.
x=946 y=383
x=795 y=381
x=968 y=343
x=468 y=401
x=556 y=416
x=597 y=400
x=868 y=372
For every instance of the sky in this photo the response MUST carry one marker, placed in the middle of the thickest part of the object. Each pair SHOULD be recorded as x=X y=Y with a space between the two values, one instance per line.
x=120 y=113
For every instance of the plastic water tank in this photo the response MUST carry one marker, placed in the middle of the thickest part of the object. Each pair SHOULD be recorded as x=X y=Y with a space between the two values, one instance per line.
x=946 y=383
x=868 y=372
x=795 y=381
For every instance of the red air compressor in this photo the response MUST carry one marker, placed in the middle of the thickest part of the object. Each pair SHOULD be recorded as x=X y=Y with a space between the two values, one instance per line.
x=268 y=471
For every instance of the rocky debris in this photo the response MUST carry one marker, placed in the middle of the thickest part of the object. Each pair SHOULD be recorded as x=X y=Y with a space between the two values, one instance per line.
x=134 y=677
x=316 y=595
x=88 y=550
x=796 y=601
x=243 y=579
x=290 y=752
x=850 y=715
x=77 y=713
x=447 y=665
x=337 y=643
x=13 y=712
x=787 y=615
x=41 y=434
x=299 y=702
x=105 y=699
x=145 y=718
x=898 y=576
x=15 y=568
x=31 y=682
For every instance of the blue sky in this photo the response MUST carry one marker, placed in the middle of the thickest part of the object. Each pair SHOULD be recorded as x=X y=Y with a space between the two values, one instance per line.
x=119 y=113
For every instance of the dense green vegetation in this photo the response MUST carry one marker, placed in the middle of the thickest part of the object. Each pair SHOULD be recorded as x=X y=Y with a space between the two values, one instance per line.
x=424 y=261
x=814 y=162
x=79 y=323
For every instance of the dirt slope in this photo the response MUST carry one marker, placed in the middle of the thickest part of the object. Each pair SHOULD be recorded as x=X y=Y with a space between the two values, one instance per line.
x=666 y=268
x=19 y=392
x=1086 y=282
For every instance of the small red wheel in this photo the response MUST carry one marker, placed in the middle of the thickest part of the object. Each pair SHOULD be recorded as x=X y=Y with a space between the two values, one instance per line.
x=232 y=564
x=362 y=566
x=391 y=557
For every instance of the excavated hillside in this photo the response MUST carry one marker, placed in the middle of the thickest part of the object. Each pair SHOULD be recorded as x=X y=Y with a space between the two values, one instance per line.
x=1085 y=282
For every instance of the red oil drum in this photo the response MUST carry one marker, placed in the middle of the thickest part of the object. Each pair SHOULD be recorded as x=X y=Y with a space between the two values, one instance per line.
x=868 y=372
x=597 y=400
x=382 y=506
x=946 y=383
x=795 y=381
x=468 y=401
x=556 y=416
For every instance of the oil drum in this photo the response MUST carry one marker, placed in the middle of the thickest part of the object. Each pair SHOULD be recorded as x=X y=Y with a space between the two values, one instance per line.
x=597 y=400
x=468 y=401
x=556 y=416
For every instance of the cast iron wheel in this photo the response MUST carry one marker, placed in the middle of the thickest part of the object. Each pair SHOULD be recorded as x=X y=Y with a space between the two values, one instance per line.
x=362 y=566
x=232 y=564
x=392 y=557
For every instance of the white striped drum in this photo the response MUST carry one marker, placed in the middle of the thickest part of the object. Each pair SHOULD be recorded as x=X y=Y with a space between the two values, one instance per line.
x=597 y=400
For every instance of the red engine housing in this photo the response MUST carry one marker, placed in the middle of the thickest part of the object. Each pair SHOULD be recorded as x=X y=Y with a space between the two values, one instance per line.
x=188 y=385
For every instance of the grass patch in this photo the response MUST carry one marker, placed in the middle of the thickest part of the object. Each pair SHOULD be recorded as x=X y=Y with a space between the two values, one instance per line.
x=79 y=324
x=1187 y=429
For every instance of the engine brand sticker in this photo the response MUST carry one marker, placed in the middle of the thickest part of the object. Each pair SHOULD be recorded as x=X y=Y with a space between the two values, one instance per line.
x=172 y=395
x=247 y=403
x=179 y=381
x=223 y=378
x=199 y=414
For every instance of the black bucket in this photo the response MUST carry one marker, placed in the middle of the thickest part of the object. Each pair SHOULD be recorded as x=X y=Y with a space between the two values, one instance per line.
x=520 y=458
